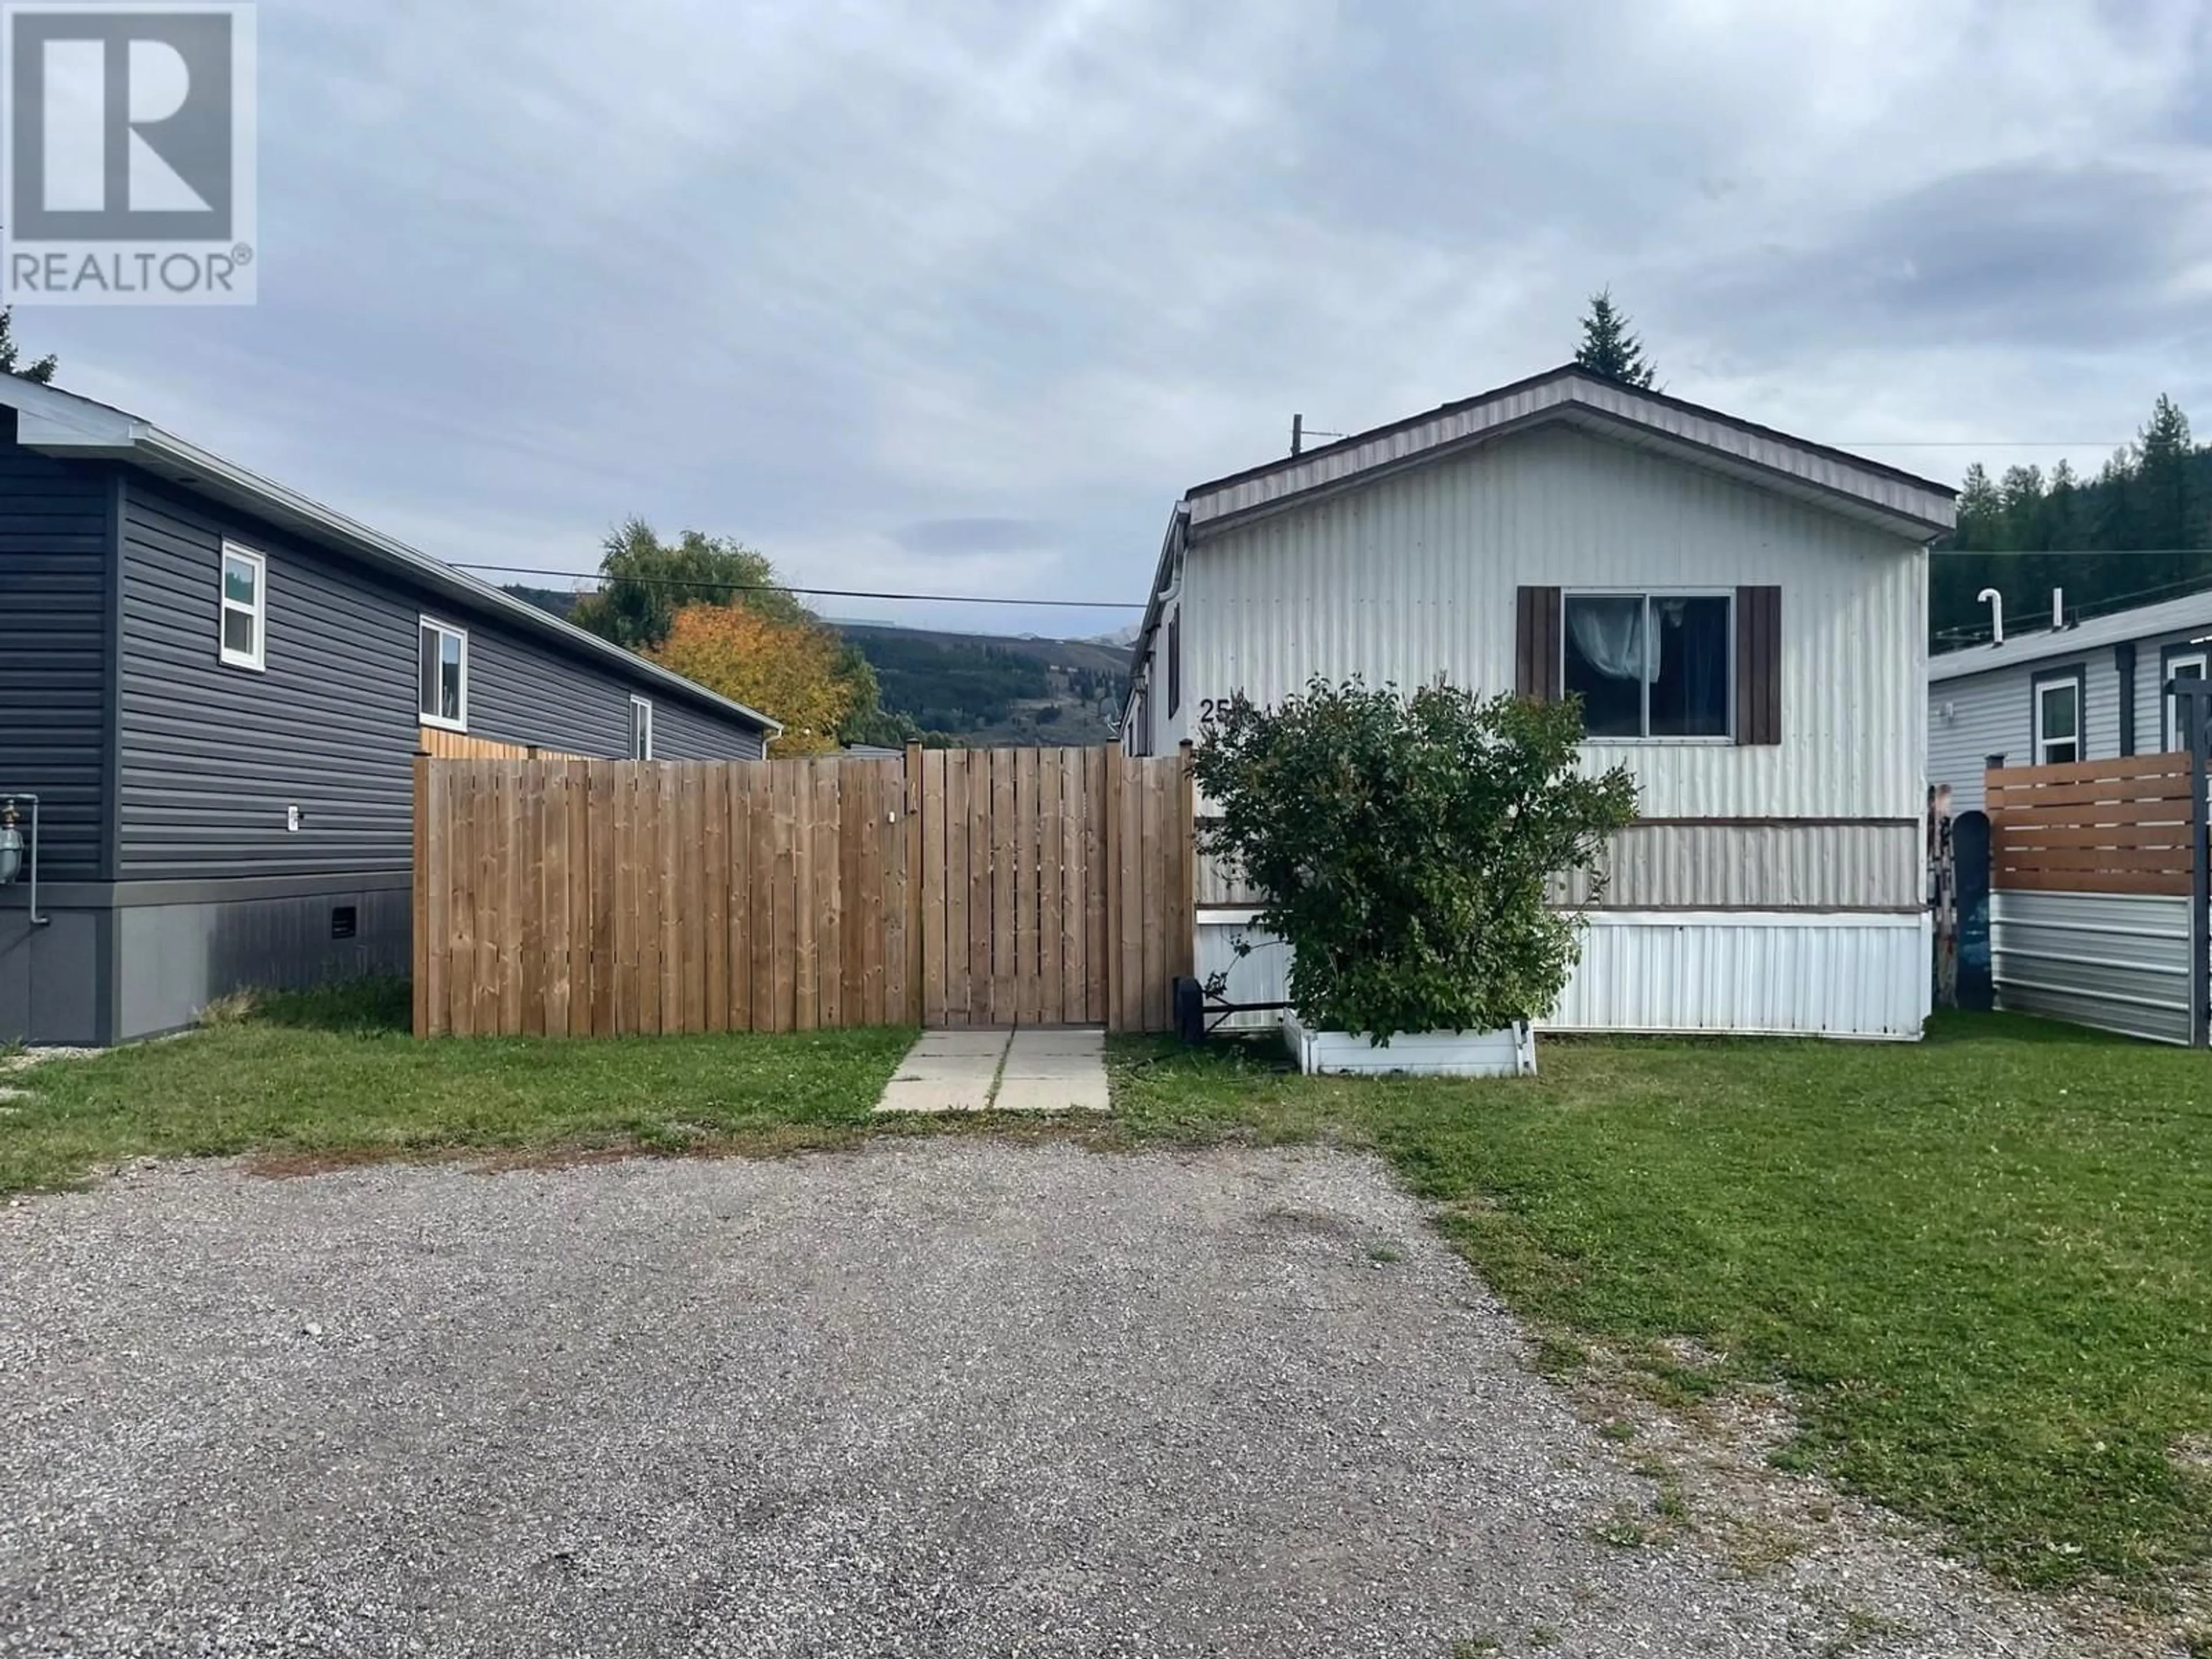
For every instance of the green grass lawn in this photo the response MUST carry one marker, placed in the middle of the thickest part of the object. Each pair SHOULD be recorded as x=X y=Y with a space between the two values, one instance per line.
x=335 y=1076
x=1983 y=1263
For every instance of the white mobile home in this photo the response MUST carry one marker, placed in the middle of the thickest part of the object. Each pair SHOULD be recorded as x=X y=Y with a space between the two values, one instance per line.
x=2092 y=690
x=1743 y=614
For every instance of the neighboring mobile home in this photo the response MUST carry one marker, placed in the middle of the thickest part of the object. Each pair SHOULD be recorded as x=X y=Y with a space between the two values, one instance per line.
x=216 y=688
x=1744 y=615
x=2091 y=690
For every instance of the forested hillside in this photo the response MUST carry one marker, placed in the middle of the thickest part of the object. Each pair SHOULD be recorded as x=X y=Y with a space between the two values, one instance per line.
x=966 y=690
x=2139 y=532
x=981 y=689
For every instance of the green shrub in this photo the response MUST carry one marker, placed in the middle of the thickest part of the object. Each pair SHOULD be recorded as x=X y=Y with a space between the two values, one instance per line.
x=1405 y=845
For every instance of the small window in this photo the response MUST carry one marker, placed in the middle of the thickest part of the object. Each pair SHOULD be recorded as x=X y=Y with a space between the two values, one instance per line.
x=1650 y=664
x=245 y=608
x=444 y=668
x=2180 y=666
x=641 y=728
x=2058 y=721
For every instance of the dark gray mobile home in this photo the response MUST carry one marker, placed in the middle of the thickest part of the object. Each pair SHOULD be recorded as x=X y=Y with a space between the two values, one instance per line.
x=214 y=687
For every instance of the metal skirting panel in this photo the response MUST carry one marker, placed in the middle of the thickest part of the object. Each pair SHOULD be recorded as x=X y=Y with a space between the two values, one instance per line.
x=2118 y=962
x=1843 y=975
x=1264 y=975
x=171 y=960
x=1850 y=974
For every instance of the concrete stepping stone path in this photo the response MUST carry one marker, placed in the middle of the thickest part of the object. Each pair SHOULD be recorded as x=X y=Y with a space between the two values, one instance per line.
x=1042 y=1069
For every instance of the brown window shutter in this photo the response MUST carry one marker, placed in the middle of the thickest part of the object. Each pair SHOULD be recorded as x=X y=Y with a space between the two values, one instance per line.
x=1759 y=666
x=1536 y=644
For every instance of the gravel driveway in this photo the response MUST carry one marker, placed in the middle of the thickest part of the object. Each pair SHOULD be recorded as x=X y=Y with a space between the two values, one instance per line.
x=949 y=1397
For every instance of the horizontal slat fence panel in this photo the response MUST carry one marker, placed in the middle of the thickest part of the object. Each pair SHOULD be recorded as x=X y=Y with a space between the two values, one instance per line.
x=570 y=897
x=2109 y=826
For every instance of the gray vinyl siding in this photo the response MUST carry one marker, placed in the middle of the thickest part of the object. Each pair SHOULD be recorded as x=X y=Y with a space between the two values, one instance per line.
x=518 y=693
x=54 y=570
x=1977 y=715
x=213 y=756
x=680 y=732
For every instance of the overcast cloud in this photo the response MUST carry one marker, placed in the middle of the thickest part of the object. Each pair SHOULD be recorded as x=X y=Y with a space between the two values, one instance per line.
x=959 y=296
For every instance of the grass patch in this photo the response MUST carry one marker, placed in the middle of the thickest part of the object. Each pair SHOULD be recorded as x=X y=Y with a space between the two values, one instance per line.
x=315 y=1078
x=1982 y=1264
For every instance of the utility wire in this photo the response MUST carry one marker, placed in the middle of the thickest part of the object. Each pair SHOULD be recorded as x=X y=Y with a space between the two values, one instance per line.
x=815 y=593
x=2065 y=552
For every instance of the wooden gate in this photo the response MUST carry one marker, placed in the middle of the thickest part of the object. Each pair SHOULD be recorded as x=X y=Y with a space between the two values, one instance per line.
x=573 y=897
x=1057 y=887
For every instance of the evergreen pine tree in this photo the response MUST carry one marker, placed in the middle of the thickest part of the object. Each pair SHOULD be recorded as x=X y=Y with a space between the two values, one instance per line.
x=42 y=371
x=1609 y=348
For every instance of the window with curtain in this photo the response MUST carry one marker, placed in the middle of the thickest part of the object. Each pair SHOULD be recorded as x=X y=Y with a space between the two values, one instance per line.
x=1649 y=665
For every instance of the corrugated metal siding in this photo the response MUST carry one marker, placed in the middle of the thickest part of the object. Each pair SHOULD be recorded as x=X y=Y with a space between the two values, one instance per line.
x=1977 y=715
x=53 y=656
x=1775 y=975
x=1860 y=976
x=1414 y=576
x=1262 y=976
x=2117 y=962
x=1754 y=866
x=213 y=756
x=682 y=733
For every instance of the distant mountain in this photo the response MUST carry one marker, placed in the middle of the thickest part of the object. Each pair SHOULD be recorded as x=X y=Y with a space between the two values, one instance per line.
x=557 y=600
x=973 y=690
x=979 y=689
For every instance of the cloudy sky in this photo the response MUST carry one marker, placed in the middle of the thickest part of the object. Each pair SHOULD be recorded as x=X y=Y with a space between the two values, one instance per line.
x=958 y=296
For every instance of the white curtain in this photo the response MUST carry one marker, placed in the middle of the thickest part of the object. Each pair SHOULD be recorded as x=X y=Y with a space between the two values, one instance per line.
x=1610 y=633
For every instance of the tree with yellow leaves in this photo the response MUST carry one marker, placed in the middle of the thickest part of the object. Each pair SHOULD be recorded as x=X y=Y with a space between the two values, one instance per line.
x=791 y=669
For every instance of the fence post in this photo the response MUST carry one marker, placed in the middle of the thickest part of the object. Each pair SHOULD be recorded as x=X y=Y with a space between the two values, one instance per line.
x=2197 y=697
x=916 y=964
x=1186 y=960
x=418 y=954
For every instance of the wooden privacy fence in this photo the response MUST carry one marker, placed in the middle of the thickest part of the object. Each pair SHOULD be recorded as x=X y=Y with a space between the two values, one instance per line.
x=988 y=887
x=2113 y=826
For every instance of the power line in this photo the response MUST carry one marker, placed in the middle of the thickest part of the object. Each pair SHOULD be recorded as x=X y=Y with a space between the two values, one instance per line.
x=815 y=593
x=2203 y=554
x=1980 y=443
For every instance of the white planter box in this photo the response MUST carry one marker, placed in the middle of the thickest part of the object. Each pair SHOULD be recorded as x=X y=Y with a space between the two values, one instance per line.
x=1510 y=1052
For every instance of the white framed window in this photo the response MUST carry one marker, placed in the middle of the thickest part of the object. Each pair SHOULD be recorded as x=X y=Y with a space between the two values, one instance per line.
x=641 y=728
x=442 y=668
x=2177 y=664
x=244 y=622
x=1651 y=666
x=2058 y=717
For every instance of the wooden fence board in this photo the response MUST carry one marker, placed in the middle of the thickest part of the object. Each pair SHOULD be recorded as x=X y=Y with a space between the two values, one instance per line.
x=977 y=764
x=1051 y=812
x=938 y=904
x=576 y=897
